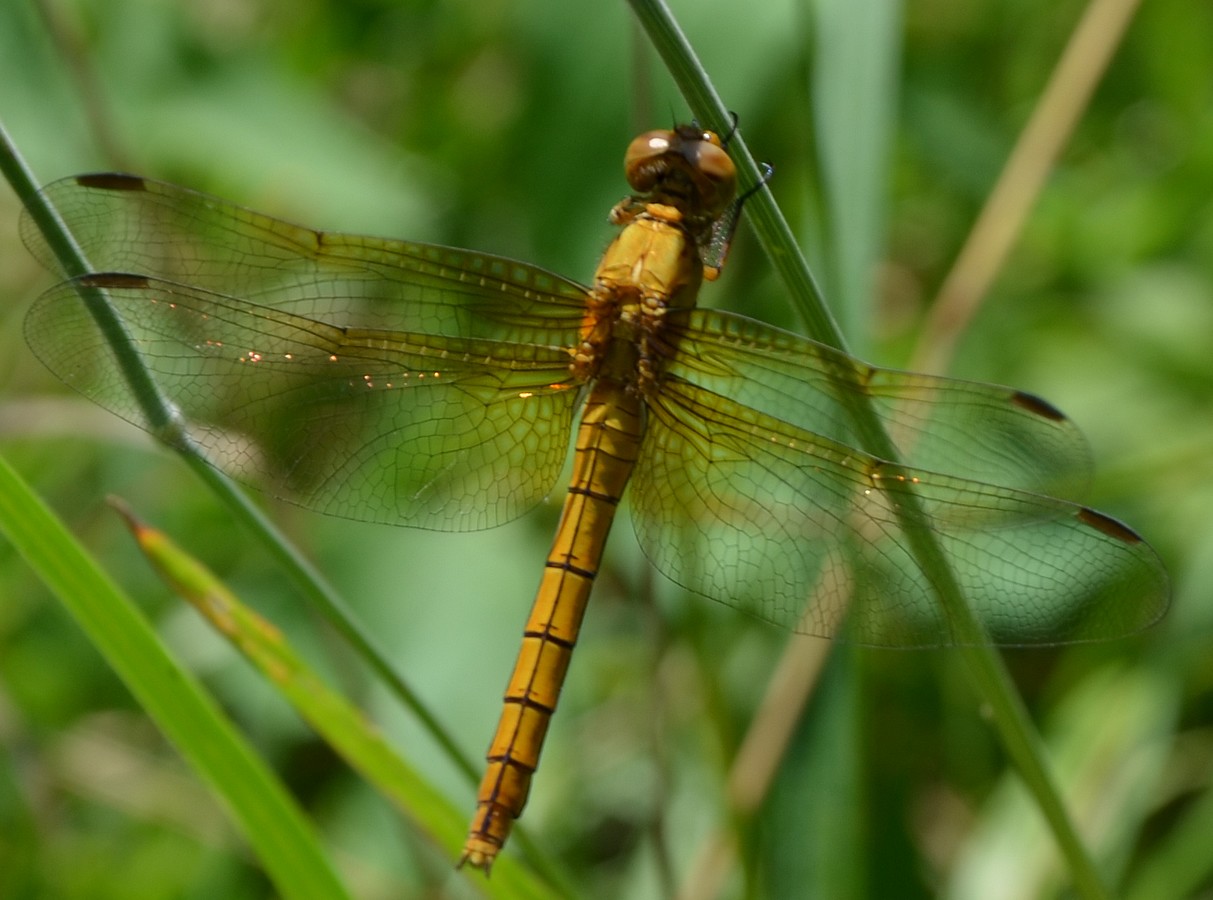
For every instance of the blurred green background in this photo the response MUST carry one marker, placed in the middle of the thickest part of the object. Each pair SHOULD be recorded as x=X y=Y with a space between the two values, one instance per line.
x=500 y=126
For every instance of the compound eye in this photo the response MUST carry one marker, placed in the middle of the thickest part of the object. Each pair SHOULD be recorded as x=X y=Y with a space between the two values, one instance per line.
x=643 y=152
x=716 y=175
x=712 y=160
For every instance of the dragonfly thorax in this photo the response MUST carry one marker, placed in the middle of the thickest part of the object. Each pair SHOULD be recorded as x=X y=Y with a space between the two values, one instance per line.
x=652 y=266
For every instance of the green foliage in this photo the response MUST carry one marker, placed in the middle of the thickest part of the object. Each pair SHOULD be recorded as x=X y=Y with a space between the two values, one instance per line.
x=500 y=127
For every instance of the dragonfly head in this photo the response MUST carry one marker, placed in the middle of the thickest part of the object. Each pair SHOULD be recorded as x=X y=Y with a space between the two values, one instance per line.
x=686 y=167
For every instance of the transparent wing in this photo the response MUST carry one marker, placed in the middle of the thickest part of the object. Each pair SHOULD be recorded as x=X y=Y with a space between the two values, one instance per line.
x=798 y=529
x=977 y=431
x=387 y=426
x=364 y=377
x=125 y=223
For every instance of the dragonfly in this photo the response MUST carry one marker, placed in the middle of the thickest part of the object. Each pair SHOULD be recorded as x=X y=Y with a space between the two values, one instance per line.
x=410 y=383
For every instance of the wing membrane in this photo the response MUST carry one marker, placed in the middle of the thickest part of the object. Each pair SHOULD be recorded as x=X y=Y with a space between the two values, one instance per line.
x=125 y=223
x=978 y=431
x=386 y=426
x=410 y=383
x=799 y=530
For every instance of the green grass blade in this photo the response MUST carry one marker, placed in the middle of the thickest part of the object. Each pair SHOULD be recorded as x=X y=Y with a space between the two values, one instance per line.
x=1180 y=864
x=1008 y=712
x=266 y=814
x=155 y=409
x=1108 y=765
x=853 y=86
x=342 y=725
x=856 y=55
x=761 y=212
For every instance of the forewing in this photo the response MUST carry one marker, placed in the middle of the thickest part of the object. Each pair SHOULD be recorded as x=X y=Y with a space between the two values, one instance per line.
x=124 y=223
x=981 y=432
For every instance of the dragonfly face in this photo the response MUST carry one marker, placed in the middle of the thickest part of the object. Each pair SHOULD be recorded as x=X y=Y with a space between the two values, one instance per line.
x=409 y=383
x=686 y=168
